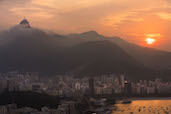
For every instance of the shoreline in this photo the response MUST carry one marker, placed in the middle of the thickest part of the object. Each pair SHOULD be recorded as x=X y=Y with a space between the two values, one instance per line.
x=150 y=98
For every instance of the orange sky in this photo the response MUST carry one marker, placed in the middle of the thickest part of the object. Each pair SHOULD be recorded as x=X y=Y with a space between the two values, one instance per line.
x=132 y=20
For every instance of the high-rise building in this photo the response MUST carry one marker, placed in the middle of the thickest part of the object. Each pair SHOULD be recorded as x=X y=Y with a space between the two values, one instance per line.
x=128 y=88
x=91 y=85
x=122 y=80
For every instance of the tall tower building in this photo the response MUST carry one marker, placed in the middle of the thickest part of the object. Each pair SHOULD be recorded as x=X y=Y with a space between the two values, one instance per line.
x=128 y=88
x=91 y=85
x=122 y=80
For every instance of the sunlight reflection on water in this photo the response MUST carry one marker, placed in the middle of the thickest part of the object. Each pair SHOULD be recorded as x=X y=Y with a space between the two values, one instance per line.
x=145 y=107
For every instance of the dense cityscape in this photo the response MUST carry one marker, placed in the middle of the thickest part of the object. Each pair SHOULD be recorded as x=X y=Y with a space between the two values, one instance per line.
x=85 y=57
x=69 y=88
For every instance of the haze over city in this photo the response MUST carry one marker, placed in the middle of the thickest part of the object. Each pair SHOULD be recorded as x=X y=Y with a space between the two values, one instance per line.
x=132 y=20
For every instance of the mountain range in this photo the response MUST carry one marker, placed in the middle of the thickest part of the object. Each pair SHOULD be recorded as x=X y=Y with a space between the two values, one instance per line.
x=91 y=54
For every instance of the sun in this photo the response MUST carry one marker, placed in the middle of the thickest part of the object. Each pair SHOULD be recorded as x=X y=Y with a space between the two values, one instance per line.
x=150 y=41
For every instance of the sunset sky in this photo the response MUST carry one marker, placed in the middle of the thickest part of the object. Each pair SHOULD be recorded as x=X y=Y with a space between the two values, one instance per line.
x=132 y=20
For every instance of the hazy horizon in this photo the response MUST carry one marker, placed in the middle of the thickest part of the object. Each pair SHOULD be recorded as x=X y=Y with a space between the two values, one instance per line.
x=134 y=21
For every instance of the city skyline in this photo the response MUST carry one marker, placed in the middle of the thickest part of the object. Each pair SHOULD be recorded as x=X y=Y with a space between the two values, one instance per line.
x=85 y=57
x=69 y=90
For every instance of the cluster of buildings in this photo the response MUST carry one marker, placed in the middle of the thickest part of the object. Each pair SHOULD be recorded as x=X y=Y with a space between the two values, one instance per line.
x=70 y=86
x=64 y=85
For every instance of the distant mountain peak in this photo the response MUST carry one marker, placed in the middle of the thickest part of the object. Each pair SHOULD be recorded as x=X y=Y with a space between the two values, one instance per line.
x=25 y=23
x=92 y=32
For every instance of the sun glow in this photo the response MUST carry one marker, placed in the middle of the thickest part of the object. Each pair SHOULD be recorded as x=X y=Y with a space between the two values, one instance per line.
x=150 y=41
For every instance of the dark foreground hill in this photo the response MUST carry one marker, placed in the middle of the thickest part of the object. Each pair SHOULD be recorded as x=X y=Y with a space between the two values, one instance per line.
x=32 y=50
x=29 y=99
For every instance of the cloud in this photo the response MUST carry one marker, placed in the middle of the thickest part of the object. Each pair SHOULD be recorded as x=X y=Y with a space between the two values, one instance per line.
x=169 y=1
x=121 y=19
x=14 y=2
x=153 y=35
x=69 y=5
x=164 y=15
x=130 y=19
